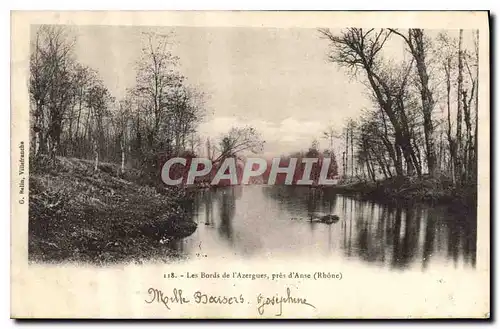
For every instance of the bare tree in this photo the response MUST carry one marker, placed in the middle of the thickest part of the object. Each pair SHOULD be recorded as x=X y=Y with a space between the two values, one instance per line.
x=458 y=161
x=155 y=77
x=476 y=50
x=356 y=49
x=330 y=134
x=122 y=122
x=418 y=47
x=51 y=85
x=238 y=140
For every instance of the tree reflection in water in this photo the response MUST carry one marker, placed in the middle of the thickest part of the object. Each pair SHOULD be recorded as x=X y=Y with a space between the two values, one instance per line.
x=395 y=235
x=258 y=220
x=227 y=206
x=218 y=205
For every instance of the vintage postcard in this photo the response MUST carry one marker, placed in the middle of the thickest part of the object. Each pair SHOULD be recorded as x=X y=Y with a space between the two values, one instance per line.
x=189 y=164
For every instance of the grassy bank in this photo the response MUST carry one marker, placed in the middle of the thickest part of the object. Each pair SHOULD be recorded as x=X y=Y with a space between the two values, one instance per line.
x=78 y=214
x=412 y=189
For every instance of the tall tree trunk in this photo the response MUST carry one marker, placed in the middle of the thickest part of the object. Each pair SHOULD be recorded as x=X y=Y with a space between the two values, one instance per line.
x=476 y=101
x=352 y=152
x=451 y=141
x=209 y=151
x=419 y=54
x=122 y=147
x=38 y=128
x=469 y=143
x=389 y=146
x=458 y=158
x=415 y=41
x=381 y=165
x=399 y=160
x=346 y=151
x=369 y=167
x=343 y=163
x=407 y=151
x=388 y=167
x=96 y=155
x=77 y=132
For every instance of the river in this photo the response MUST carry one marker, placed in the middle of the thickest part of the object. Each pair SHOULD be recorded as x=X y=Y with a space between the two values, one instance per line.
x=275 y=221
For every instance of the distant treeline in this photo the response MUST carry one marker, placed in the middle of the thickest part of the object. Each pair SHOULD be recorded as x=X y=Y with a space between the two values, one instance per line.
x=231 y=171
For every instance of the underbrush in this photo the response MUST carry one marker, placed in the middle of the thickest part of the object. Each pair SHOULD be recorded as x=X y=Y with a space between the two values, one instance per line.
x=103 y=216
x=412 y=189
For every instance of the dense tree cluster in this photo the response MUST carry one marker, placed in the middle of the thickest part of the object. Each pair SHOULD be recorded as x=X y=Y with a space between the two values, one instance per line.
x=74 y=114
x=424 y=116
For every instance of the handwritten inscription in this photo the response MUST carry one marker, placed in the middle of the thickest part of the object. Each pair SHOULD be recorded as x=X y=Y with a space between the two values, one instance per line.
x=179 y=297
x=159 y=296
x=279 y=301
x=265 y=304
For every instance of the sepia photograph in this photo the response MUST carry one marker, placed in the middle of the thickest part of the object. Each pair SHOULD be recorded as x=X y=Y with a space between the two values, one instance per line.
x=202 y=151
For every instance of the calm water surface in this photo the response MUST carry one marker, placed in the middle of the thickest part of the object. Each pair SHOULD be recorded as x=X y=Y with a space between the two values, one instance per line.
x=273 y=221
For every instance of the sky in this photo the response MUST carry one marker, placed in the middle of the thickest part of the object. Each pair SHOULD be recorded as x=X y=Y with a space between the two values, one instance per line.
x=277 y=80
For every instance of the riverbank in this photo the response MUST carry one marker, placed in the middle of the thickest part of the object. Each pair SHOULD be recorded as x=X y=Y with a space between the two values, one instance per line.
x=410 y=189
x=79 y=214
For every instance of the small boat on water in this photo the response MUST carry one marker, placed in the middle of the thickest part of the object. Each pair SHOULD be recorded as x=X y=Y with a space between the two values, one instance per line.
x=326 y=219
x=329 y=219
